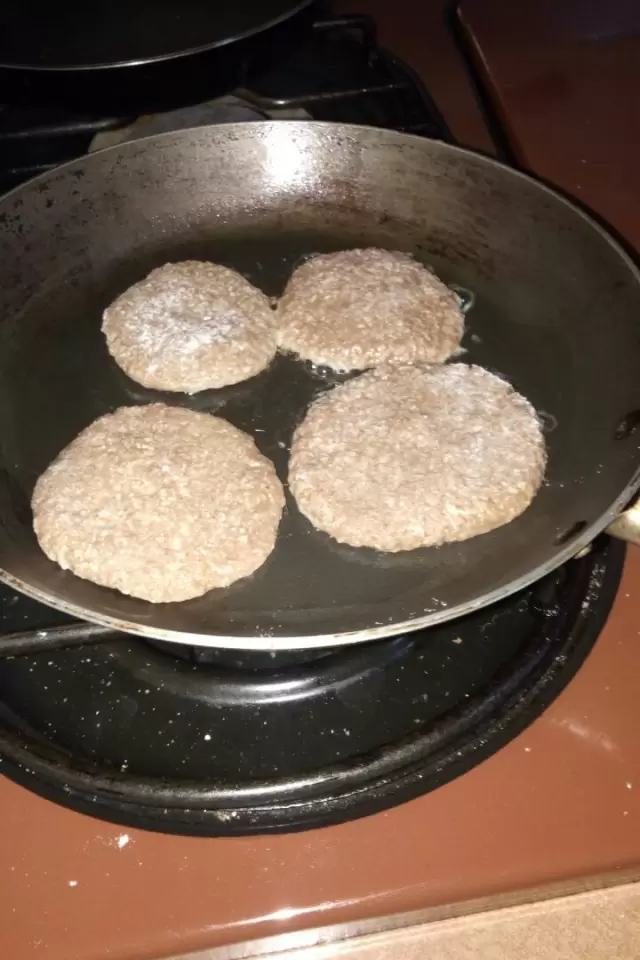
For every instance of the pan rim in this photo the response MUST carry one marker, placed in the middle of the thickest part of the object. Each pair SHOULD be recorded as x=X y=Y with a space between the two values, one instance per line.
x=273 y=642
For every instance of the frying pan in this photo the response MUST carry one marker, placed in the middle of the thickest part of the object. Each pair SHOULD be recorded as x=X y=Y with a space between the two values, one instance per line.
x=118 y=55
x=556 y=311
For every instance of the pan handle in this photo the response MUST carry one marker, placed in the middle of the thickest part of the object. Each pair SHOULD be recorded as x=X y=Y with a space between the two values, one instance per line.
x=53 y=638
x=626 y=526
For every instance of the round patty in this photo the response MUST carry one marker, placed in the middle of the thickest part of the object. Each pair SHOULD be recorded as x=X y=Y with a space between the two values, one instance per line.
x=412 y=457
x=191 y=326
x=360 y=308
x=160 y=503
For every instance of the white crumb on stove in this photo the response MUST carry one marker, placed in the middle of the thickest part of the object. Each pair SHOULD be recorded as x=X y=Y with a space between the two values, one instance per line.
x=360 y=308
x=224 y=815
x=73 y=883
x=191 y=326
x=457 y=640
x=406 y=457
x=207 y=736
x=137 y=500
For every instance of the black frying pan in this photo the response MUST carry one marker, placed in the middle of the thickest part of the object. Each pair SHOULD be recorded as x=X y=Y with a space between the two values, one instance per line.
x=134 y=55
x=557 y=311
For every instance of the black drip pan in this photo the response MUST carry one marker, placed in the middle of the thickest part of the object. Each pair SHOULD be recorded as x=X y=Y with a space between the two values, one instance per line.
x=141 y=735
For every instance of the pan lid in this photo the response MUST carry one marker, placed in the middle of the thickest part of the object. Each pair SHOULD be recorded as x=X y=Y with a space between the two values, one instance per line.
x=74 y=35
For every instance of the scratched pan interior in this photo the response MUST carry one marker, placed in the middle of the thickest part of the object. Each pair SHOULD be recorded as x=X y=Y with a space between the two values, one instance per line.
x=557 y=311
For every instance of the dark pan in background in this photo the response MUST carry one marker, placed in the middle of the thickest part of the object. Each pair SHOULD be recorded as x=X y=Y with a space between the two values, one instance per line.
x=139 y=55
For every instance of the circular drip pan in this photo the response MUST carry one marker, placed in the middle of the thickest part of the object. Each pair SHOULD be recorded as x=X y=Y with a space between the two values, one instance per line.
x=132 y=733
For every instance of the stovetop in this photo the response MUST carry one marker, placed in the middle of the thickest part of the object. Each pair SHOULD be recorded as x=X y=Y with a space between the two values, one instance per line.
x=555 y=804
x=210 y=742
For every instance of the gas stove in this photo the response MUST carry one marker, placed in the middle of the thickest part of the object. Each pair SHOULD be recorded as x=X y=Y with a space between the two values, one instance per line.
x=553 y=809
x=199 y=741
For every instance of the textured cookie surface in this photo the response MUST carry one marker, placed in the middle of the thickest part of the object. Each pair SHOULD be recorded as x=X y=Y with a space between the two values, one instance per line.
x=360 y=308
x=191 y=326
x=408 y=457
x=160 y=503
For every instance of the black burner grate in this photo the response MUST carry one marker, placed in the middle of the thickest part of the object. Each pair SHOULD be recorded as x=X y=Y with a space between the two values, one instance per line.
x=339 y=73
